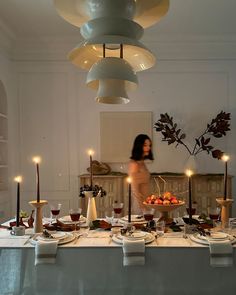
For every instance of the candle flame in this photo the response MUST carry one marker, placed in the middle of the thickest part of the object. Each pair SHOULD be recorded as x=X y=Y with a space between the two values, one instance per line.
x=129 y=180
x=36 y=160
x=225 y=158
x=18 y=179
x=189 y=172
x=90 y=152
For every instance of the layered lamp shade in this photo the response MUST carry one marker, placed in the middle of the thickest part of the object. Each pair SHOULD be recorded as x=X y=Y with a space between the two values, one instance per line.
x=145 y=12
x=106 y=24
x=112 y=77
x=91 y=51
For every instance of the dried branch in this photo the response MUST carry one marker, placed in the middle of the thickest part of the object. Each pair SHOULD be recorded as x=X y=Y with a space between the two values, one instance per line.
x=172 y=134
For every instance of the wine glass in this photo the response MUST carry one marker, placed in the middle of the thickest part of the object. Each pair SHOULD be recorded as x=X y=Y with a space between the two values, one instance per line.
x=214 y=214
x=148 y=214
x=75 y=216
x=117 y=208
x=55 y=210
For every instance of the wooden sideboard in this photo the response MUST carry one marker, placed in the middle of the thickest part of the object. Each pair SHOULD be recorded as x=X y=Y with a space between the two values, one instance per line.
x=206 y=188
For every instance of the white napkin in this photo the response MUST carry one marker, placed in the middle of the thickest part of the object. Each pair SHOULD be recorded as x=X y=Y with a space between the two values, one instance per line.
x=221 y=253
x=45 y=252
x=134 y=252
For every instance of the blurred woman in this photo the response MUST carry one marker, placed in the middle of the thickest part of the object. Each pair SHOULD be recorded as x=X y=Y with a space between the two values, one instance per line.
x=138 y=172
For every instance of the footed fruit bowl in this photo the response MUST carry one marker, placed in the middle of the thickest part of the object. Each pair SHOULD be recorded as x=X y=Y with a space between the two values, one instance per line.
x=164 y=204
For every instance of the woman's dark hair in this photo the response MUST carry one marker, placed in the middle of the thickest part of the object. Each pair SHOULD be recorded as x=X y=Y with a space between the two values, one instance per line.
x=137 y=150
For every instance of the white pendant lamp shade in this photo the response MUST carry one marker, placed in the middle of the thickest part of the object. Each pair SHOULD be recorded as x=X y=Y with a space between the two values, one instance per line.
x=112 y=68
x=112 y=92
x=144 y=12
x=112 y=77
x=111 y=26
x=91 y=51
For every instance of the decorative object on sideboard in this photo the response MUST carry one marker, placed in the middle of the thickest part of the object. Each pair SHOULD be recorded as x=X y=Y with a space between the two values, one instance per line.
x=172 y=134
x=99 y=168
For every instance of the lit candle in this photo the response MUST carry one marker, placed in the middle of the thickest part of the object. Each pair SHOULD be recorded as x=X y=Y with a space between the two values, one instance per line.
x=37 y=160
x=18 y=179
x=129 y=193
x=225 y=158
x=91 y=152
x=189 y=173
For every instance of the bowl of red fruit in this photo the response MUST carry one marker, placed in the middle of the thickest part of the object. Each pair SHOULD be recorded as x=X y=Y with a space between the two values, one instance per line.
x=165 y=203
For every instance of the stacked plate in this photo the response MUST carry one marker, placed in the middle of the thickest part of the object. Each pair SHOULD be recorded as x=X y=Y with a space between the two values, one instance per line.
x=61 y=237
x=135 y=236
x=134 y=218
x=214 y=237
x=67 y=220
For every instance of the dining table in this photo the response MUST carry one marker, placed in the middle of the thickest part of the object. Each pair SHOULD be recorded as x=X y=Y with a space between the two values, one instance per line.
x=92 y=264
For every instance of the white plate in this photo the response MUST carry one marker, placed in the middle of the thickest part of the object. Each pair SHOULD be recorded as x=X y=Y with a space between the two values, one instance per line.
x=148 y=239
x=215 y=236
x=205 y=241
x=133 y=218
x=67 y=219
x=195 y=217
x=134 y=236
x=69 y=237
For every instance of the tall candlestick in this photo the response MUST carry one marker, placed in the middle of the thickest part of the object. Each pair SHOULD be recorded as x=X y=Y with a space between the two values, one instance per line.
x=18 y=180
x=90 y=152
x=37 y=160
x=189 y=174
x=225 y=158
x=129 y=193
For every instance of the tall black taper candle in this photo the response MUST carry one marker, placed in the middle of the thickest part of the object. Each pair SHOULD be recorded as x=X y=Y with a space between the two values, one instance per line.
x=189 y=174
x=37 y=160
x=129 y=192
x=18 y=180
x=91 y=168
x=225 y=158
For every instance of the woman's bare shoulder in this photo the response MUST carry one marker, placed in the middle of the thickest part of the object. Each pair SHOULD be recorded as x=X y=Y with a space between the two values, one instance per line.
x=133 y=166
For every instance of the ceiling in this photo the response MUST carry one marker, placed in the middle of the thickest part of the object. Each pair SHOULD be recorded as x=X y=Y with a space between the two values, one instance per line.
x=38 y=18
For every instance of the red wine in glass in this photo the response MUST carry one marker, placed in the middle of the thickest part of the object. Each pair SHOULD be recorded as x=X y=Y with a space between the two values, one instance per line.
x=117 y=210
x=213 y=216
x=75 y=216
x=55 y=212
x=148 y=216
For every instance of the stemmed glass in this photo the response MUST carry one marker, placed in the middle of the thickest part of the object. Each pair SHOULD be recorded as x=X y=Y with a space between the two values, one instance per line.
x=55 y=210
x=117 y=208
x=75 y=216
x=214 y=214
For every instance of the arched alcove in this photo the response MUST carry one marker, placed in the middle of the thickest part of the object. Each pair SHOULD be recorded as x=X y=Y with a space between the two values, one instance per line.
x=3 y=151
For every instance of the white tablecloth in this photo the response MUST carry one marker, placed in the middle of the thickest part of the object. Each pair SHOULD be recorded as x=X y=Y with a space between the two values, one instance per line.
x=95 y=266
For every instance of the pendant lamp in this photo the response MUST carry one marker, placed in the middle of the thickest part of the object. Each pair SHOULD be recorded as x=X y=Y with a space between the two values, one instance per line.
x=144 y=12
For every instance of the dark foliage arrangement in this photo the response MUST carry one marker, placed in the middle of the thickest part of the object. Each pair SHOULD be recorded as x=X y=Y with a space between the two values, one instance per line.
x=97 y=190
x=172 y=134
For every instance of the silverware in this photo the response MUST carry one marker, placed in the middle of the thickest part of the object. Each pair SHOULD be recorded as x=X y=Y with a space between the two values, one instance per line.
x=76 y=238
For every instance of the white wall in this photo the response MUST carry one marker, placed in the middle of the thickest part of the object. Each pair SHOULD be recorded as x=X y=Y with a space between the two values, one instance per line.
x=60 y=120
x=52 y=113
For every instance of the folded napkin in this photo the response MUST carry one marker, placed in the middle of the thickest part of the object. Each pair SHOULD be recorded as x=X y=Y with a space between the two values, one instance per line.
x=221 y=253
x=45 y=252
x=134 y=252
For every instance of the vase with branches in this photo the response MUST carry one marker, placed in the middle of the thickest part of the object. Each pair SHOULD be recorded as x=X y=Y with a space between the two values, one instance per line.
x=217 y=128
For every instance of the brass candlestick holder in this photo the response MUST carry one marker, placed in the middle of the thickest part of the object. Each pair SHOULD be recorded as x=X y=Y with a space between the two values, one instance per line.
x=38 y=222
x=225 y=206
